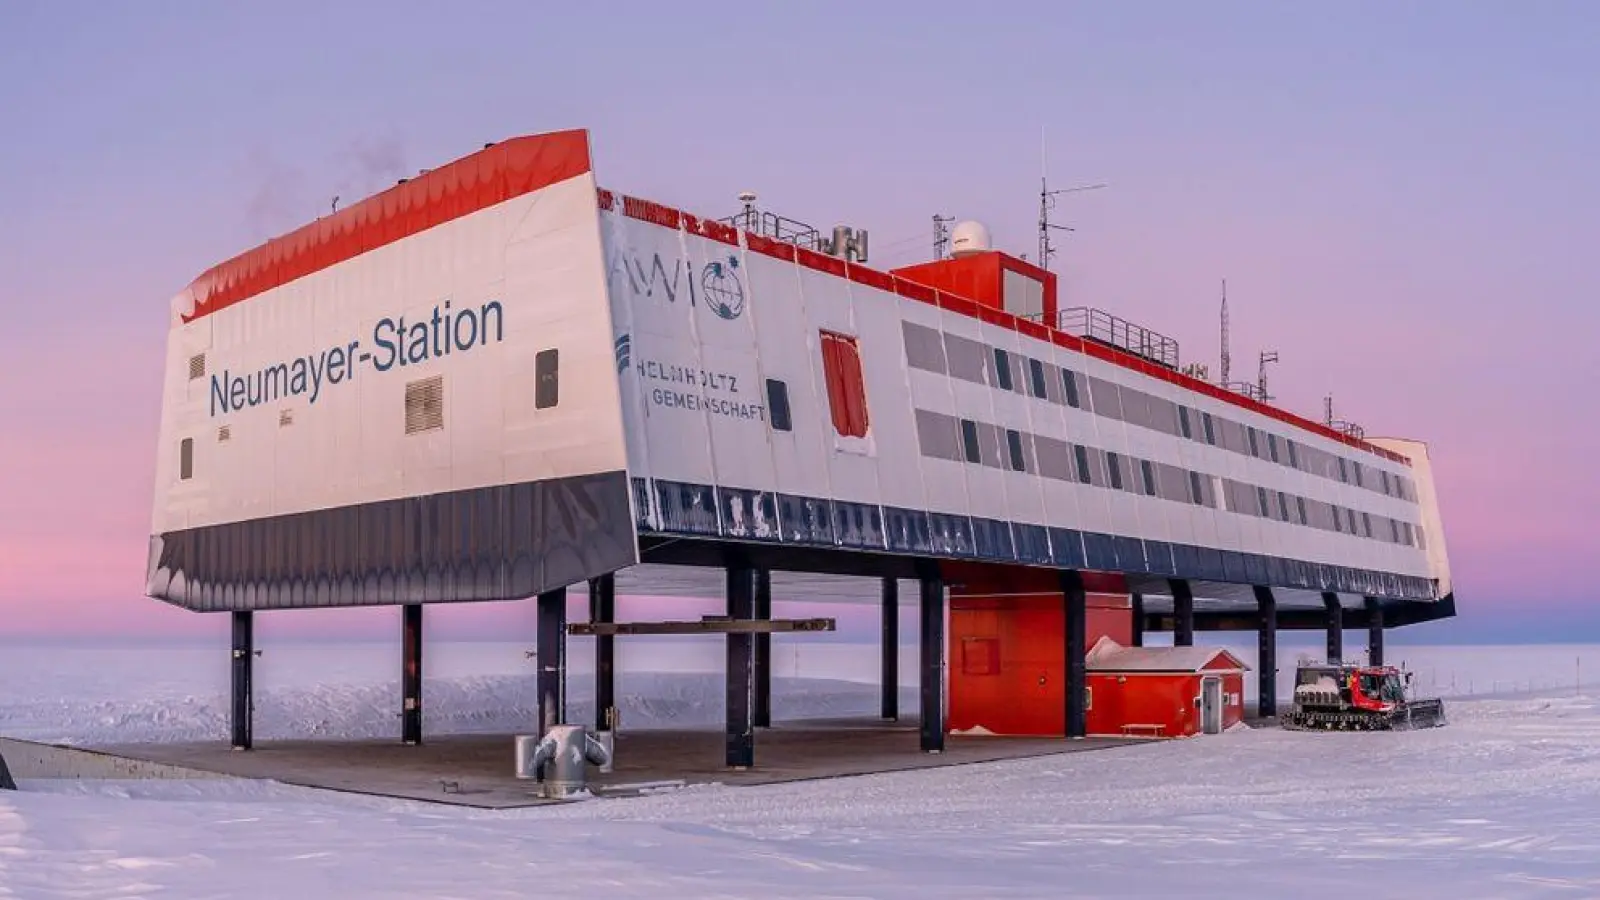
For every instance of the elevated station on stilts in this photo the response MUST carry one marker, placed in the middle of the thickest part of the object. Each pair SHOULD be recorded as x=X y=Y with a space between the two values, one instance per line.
x=498 y=381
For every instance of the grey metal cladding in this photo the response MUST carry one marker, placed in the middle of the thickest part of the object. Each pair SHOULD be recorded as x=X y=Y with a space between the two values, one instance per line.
x=967 y=359
x=504 y=542
x=924 y=347
x=1055 y=458
x=938 y=435
x=989 y=438
x=1106 y=396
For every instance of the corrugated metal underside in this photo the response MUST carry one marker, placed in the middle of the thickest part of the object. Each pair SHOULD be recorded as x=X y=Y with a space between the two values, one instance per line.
x=802 y=523
x=494 y=543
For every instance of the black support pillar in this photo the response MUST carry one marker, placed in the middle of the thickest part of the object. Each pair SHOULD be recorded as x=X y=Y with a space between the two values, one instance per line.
x=411 y=673
x=244 y=654
x=761 y=714
x=1330 y=602
x=1374 y=632
x=931 y=609
x=1182 y=613
x=1137 y=602
x=1267 y=653
x=551 y=654
x=890 y=678
x=741 y=736
x=603 y=610
x=1076 y=604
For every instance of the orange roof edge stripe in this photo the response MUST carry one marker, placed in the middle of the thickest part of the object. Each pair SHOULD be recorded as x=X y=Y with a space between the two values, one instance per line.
x=499 y=172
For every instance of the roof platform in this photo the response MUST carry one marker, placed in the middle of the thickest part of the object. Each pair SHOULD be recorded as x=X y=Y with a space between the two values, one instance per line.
x=477 y=770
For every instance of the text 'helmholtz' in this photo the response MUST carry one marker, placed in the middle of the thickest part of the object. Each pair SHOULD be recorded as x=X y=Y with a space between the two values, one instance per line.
x=396 y=344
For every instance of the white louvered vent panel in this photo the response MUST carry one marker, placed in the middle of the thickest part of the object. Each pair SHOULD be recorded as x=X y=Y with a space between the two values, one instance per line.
x=425 y=405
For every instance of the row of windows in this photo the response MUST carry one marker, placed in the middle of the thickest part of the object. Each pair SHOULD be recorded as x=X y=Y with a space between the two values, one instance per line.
x=966 y=440
x=969 y=360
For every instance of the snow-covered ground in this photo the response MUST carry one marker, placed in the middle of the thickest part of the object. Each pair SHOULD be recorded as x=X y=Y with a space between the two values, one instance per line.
x=1503 y=803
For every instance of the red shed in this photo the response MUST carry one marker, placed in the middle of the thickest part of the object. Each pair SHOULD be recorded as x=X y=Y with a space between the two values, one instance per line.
x=1163 y=691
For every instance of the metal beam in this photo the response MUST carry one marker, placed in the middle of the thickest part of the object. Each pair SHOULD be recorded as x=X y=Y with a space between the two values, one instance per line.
x=708 y=625
x=1137 y=601
x=889 y=680
x=931 y=608
x=762 y=713
x=1076 y=606
x=1182 y=613
x=551 y=655
x=1267 y=652
x=740 y=743
x=411 y=673
x=243 y=664
x=1335 y=612
x=603 y=611
x=1374 y=631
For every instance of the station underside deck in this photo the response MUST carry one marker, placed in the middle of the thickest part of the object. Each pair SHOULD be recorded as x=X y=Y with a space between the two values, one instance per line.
x=477 y=770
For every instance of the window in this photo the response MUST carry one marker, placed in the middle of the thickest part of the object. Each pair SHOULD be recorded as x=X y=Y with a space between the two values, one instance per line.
x=1350 y=517
x=778 y=405
x=1338 y=523
x=1343 y=475
x=1114 y=465
x=1082 y=455
x=1254 y=450
x=1300 y=507
x=1405 y=529
x=1366 y=523
x=1195 y=493
x=1036 y=377
x=1358 y=474
x=1294 y=457
x=1261 y=502
x=547 y=379
x=847 y=393
x=1148 y=471
x=1070 y=382
x=969 y=441
x=186 y=459
x=1272 y=446
x=1002 y=369
x=1014 y=450
x=1394 y=530
x=1385 y=474
x=1183 y=422
x=1283 y=506
x=1211 y=435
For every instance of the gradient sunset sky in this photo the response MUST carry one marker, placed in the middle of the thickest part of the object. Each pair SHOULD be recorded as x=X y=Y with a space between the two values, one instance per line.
x=1404 y=199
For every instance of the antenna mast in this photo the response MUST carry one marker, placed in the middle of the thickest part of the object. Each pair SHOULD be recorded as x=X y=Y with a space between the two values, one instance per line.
x=1226 y=361
x=1047 y=202
x=941 y=235
x=1267 y=356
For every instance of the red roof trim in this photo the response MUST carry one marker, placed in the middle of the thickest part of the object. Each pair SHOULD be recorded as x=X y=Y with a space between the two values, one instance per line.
x=493 y=175
x=911 y=290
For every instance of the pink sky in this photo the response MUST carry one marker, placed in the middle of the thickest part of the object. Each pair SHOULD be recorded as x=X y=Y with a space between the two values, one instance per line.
x=1404 y=204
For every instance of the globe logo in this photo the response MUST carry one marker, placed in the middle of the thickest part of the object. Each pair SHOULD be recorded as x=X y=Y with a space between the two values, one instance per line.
x=723 y=291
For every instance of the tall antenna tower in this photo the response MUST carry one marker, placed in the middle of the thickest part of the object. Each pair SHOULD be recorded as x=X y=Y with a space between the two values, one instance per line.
x=1226 y=361
x=941 y=235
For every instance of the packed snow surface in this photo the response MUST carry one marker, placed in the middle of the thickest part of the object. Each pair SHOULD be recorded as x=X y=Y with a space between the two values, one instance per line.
x=1505 y=802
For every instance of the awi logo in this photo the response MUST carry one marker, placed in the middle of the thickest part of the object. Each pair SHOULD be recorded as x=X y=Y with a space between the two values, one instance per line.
x=723 y=290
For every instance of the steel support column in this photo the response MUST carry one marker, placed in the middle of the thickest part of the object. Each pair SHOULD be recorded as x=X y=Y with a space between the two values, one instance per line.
x=761 y=714
x=740 y=741
x=1182 y=613
x=1267 y=653
x=411 y=673
x=243 y=665
x=889 y=680
x=1137 y=602
x=931 y=607
x=551 y=655
x=1374 y=631
x=603 y=609
x=1076 y=605
x=1330 y=602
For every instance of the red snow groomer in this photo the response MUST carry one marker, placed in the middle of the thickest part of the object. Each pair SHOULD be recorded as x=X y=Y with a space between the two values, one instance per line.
x=1344 y=697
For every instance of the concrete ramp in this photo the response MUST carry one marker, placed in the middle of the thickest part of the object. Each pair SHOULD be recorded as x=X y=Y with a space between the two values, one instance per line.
x=29 y=760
